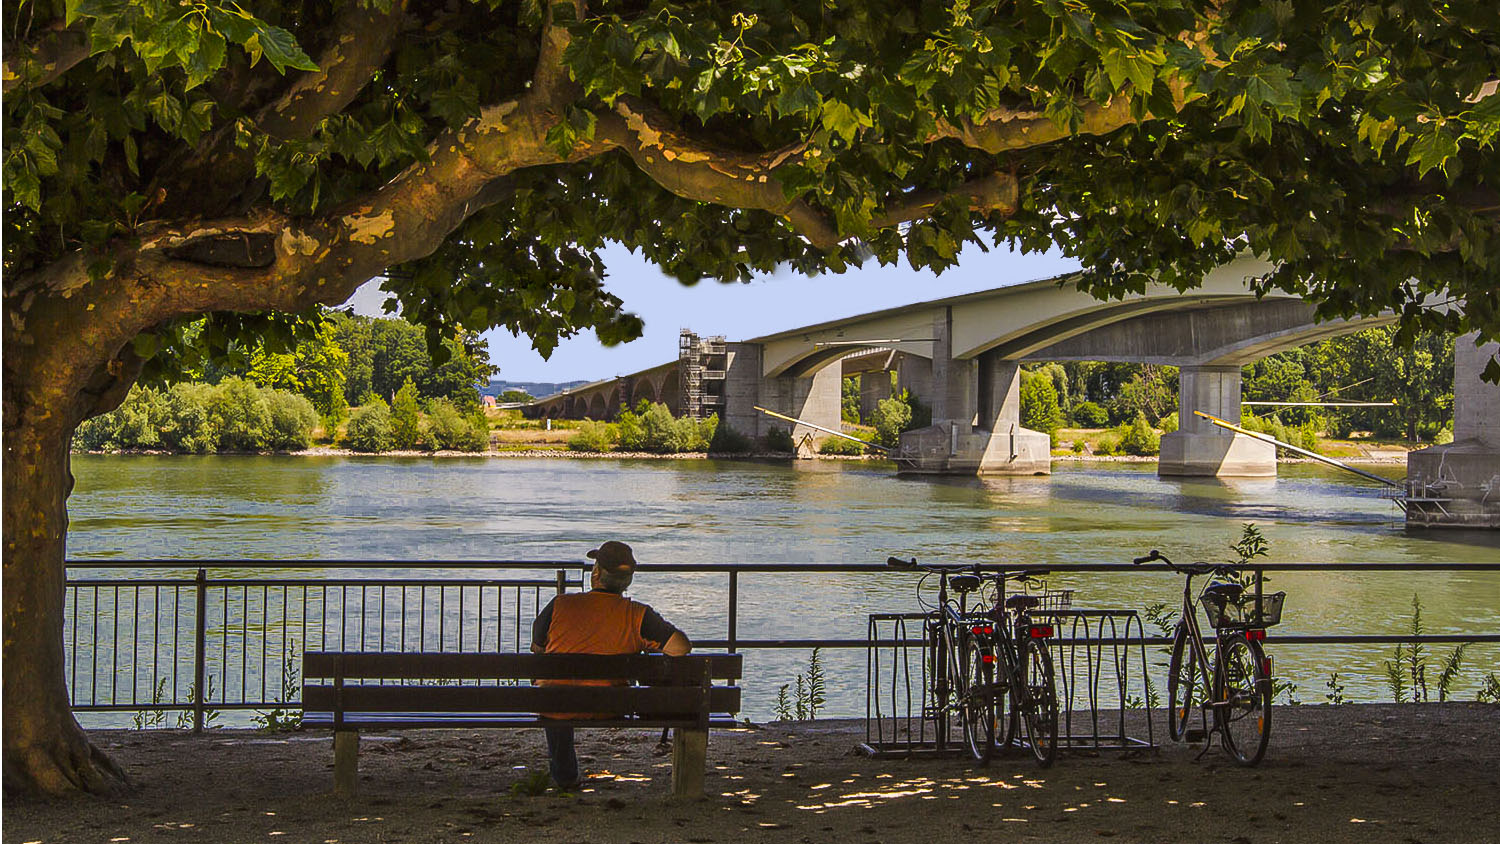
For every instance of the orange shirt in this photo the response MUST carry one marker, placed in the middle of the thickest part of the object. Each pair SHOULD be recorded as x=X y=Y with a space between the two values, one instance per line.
x=594 y=622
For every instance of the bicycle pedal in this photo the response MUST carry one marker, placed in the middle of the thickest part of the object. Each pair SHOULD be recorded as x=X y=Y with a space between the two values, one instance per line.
x=1195 y=736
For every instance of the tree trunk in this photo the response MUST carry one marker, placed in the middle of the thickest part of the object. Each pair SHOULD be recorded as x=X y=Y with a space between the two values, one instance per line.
x=46 y=753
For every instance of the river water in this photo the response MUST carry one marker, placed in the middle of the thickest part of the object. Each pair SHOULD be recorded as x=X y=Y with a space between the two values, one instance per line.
x=706 y=511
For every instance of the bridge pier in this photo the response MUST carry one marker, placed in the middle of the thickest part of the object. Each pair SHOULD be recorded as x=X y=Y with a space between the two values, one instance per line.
x=874 y=387
x=1199 y=447
x=986 y=390
x=816 y=398
x=1458 y=484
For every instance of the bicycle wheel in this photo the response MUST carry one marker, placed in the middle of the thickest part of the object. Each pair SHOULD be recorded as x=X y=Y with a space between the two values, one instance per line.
x=1039 y=709
x=1182 y=680
x=979 y=702
x=1243 y=690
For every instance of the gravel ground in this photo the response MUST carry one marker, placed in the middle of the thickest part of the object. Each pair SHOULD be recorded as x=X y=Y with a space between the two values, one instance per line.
x=1358 y=773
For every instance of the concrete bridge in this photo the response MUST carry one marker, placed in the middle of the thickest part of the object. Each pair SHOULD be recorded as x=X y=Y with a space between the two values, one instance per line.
x=962 y=356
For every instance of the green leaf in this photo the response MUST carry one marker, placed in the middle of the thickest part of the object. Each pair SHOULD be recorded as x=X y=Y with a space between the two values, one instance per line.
x=279 y=48
x=1431 y=149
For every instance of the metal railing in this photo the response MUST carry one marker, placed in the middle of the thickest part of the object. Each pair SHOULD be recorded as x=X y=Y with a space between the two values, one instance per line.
x=216 y=637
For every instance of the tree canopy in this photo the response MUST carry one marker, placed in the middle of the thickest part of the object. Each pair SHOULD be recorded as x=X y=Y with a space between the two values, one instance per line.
x=482 y=152
x=254 y=160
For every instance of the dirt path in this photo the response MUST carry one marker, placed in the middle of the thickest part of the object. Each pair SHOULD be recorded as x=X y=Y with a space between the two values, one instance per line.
x=1368 y=773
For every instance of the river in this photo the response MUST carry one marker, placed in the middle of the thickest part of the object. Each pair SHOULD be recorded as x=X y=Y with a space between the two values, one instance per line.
x=707 y=511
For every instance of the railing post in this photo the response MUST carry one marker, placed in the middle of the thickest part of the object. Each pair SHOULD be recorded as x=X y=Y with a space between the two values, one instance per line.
x=200 y=648
x=734 y=610
x=562 y=581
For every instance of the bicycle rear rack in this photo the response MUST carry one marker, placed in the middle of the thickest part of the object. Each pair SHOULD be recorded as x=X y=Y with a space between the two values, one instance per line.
x=1102 y=685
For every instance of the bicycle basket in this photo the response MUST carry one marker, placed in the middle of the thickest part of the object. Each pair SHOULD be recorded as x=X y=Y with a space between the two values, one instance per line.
x=1054 y=599
x=1226 y=611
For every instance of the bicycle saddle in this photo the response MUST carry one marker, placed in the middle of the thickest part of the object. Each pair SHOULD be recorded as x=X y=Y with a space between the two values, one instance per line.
x=1022 y=602
x=1230 y=591
x=964 y=582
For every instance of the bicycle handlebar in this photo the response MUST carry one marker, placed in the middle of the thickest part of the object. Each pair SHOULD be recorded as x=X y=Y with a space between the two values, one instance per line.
x=1190 y=568
x=954 y=568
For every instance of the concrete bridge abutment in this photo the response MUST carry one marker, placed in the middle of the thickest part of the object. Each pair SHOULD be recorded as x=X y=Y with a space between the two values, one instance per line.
x=1458 y=484
x=976 y=417
x=1199 y=447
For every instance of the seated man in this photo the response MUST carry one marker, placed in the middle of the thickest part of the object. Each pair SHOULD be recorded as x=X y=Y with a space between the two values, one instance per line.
x=600 y=621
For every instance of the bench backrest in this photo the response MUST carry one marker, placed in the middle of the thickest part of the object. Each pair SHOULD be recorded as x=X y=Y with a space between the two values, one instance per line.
x=672 y=688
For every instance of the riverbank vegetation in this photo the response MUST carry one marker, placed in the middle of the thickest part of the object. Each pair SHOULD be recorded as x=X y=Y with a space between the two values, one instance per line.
x=1107 y=408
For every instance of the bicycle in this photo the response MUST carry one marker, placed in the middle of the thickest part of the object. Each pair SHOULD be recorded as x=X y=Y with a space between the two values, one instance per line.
x=998 y=656
x=1234 y=685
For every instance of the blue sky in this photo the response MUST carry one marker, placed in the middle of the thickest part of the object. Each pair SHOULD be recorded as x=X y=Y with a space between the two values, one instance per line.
x=766 y=305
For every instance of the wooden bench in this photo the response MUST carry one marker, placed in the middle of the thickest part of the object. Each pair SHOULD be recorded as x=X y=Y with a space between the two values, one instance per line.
x=351 y=692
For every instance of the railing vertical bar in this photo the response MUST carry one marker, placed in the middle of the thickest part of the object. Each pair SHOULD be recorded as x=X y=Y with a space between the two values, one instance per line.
x=461 y=618
x=200 y=649
x=156 y=640
x=403 y=618
x=94 y=652
x=245 y=642
x=343 y=617
x=382 y=616
x=73 y=649
x=224 y=645
x=442 y=616
x=176 y=639
x=135 y=641
x=364 y=613
x=265 y=635
x=114 y=648
x=734 y=606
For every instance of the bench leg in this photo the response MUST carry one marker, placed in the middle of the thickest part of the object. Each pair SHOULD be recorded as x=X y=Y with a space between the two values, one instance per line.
x=689 y=759
x=345 y=762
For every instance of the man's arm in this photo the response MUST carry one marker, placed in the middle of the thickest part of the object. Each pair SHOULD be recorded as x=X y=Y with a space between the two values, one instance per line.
x=677 y=645
x=660 y=633
x=540 y=627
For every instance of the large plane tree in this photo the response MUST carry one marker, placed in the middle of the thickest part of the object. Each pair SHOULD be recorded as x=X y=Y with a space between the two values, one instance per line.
x=182 y=176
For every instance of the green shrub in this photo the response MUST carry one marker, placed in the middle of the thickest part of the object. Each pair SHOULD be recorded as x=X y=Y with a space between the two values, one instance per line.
x=727 y=440
x=841 y=446
x=1078 y=446
x=593 y=437
x=450 y=430
x=779 y=439
x=241 y=416
x=405 y=424
x=188 y=425
x=628 y=431
x=1107 y=446
x=1139 y=438
x=1039 y=410
x=1090 y=415
x=370 y=428
x=890 y=417
x=293 y=418
x=1169 y=423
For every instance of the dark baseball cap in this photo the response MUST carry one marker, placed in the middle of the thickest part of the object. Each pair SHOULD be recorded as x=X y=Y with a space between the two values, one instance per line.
x=614 y=557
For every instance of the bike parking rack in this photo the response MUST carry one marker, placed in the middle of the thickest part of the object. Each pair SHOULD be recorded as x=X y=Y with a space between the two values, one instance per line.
x=1093 y=665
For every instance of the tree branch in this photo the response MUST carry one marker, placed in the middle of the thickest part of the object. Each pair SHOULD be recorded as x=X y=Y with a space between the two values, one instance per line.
x=36 y=64
x=694 y=170
x=362 y=41
x=995 y=192
x=1002 y=130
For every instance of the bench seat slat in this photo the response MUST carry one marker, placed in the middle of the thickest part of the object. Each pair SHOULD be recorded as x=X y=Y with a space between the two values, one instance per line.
x=491 y=666
x=492 y=720
x=665 y=700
